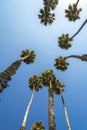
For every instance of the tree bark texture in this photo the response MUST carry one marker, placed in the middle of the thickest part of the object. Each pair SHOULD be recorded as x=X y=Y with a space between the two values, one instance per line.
x=51 y=115
x=27 y=111
x=65 y=113
x=5 y=76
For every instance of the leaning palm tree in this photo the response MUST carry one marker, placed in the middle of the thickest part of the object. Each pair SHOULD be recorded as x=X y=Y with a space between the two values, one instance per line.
x=38 y=126
x=62 y=64
x=34 y=84
x=64 y=41
x=58 y=90
x=48 y=78
x=27 y=56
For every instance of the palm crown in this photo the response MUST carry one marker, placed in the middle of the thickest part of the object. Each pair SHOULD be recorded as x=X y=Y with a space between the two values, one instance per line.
x=58 y=87
x=47 y=76
x=72 y=13
x=64 y=41
x=37 y=126
x=46 y=17
x=35 y=82
x=28 y=56
x=61 y=63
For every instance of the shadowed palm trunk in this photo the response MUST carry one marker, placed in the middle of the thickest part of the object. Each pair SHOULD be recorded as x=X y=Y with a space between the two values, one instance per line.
x=83 y=57
x=65 y=113
x=6 y=75
x=52 y=125
x=79 y=29
x=27 y=111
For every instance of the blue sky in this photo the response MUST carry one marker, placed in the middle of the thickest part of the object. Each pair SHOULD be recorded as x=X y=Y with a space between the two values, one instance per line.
x=20 y=29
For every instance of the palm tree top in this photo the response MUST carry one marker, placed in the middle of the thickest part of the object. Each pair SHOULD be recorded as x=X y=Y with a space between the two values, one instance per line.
x=28 y=56
x=61 y=63
x=58 y=87
x=38 y=126
x=47 y=76
x=35 y=82
x=72 y=13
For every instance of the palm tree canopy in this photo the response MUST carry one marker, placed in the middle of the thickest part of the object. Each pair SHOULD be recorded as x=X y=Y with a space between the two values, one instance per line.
x=61 y=63
x=58 y=87
x=37 y=126
x=47 y=76
x=35 y=82
x=72 y=13
x=27 y=56
x=64 y=41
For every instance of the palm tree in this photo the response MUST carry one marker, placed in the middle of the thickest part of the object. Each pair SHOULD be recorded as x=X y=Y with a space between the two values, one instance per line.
x=34 y=84
x=64 y=41
x=27 y=56
x=73 y=12
x=48 y=78
x=58 y=90
x=45 y=16
x=38 y=126
x=62 y=64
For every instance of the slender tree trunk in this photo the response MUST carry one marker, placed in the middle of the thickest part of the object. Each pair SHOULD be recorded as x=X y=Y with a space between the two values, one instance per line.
x=6 y=75
x=79 y=29
x=77 y=2
x=83 y=57
x=74 y=56
x=27 y=111
x=52 y=125
x=65 y=113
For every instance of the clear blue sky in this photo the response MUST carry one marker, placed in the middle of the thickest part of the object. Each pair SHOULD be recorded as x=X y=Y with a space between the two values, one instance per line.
x=20 y=29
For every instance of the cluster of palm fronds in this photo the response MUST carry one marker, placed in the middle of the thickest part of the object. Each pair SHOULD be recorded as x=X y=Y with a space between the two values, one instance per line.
x=28 y=56
x=61 y=64
x=64 y=41
x=38 y=126
x=46 y=16
x=72 y=13
x=35 y=82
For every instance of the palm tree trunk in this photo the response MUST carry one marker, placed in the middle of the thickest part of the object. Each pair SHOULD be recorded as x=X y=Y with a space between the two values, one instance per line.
x=79 y=29
x=74 y=56
x=77 y=2
x=27 y=111
x=83 y=57
x=5 y=76
x=52 y=125
x=65 y=113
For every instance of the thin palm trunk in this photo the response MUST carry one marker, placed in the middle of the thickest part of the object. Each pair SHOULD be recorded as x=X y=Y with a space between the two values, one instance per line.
x=83 y=57
x=65 y=113
x=77 y=2
x=6 y=75
x=52 y=125
x=27 y=111
x=79 y=29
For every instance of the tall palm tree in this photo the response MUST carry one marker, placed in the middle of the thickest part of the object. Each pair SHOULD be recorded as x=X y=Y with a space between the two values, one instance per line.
x=27 y=56
x=62 y=64
x=34 y=84
x=58 y=90
x=38 y=126
x=48 y=78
